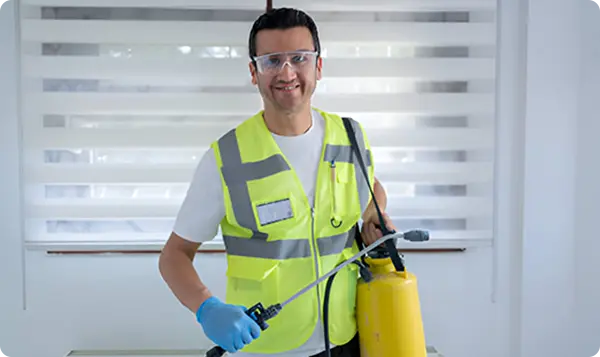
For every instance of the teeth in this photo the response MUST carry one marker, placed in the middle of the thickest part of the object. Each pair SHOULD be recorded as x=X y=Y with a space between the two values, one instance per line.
x=288 y=88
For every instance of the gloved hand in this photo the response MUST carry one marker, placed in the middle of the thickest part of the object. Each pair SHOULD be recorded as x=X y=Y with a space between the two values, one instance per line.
x=227 y=325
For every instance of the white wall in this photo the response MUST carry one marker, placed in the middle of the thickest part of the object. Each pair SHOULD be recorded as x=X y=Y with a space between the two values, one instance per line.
x=10 y=249
x=492 y=290
x=587 y=190
x=560 y=285
x=550 y=148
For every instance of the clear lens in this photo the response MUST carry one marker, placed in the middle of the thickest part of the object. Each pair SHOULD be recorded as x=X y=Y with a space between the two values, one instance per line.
x=274 y=62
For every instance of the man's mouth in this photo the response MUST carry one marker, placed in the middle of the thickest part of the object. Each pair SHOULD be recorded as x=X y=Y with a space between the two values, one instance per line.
x=287 y=88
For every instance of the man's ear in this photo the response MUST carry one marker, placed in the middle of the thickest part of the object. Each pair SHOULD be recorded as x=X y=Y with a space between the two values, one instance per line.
x=252 y=69
x=319 y=67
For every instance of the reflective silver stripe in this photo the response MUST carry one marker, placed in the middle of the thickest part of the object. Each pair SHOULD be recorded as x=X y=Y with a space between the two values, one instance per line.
x=236 y=175
x=363 y=188
x=286 y=248
x=254 y=170
x=335 y=244
x=258 y=248
x=342 y=153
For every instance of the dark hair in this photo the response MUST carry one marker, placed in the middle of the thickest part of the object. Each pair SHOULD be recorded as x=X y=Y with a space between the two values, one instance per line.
x=282 y=19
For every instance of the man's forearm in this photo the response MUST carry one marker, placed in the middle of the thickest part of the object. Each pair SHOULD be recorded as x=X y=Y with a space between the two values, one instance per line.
x=178 y=272
x=380 y=196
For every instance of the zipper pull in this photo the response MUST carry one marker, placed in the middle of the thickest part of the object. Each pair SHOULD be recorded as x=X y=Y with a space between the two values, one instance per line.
x=332 y=165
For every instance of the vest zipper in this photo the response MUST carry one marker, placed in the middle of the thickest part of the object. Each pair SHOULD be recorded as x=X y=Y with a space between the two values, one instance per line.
x=333 y=180
x=312 y=232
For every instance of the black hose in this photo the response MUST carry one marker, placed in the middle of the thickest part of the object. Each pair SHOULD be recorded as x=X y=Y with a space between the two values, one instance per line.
x=326 y=314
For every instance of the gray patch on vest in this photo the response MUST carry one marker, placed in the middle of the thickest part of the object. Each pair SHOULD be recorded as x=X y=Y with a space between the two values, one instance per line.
x=269 y=213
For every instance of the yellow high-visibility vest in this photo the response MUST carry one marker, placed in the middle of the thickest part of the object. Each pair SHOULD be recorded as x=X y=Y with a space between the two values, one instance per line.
x=277 y=244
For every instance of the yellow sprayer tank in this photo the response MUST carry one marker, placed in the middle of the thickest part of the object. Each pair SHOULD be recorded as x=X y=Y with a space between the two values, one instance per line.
x=389 y=313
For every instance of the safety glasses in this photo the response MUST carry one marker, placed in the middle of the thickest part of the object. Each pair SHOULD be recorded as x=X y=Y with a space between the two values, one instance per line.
x=272 y=63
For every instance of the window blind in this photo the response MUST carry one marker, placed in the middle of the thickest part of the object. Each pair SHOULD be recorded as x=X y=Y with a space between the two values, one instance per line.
x=120 y=99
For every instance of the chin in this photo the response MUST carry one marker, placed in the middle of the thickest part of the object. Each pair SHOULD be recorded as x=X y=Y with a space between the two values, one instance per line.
x=289 y=107
x=289 y=103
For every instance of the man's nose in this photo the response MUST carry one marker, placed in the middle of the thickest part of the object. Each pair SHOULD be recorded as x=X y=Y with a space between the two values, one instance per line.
x=287 y=72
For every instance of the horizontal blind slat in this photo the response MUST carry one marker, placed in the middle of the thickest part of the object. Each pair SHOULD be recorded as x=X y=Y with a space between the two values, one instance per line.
x=231 y=72
x=307 y=5
x=424 y=173
x=107 y=174
x=438 y=173
x=248 y=103
x=168 y=208
x=438 y=139
x=215 y=33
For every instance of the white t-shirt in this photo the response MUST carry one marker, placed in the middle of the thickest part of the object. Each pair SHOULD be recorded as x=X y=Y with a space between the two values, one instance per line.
x=203 y=208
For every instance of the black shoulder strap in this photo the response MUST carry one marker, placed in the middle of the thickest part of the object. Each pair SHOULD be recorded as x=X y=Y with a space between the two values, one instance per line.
x=389 y=244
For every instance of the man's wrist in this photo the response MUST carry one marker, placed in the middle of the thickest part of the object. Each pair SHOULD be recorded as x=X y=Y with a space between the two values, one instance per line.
x=204 y=295
x=207 y=303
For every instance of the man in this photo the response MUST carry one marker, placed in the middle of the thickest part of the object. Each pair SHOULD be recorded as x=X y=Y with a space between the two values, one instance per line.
x=287 y=197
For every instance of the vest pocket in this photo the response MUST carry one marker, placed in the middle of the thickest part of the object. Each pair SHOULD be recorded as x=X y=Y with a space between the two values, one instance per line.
x=345 y=209
x=342 y=303
x=351 y=279
x=250 y=282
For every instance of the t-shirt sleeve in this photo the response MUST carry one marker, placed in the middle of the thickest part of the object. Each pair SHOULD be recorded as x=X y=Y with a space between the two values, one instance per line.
x=202 y=209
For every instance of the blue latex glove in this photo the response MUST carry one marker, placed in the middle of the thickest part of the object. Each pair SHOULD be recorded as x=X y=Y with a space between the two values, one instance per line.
x=227 y=325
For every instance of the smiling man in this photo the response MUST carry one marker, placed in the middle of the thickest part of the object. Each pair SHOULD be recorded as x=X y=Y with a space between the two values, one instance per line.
x=288 y=197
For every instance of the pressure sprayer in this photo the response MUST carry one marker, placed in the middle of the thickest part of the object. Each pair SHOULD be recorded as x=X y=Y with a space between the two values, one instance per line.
x=388 y=308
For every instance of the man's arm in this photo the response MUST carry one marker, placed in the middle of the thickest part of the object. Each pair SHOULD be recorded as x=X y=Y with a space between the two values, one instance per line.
x=197 y=221
x=177 y=270
x=380 y=196
x=370 y=232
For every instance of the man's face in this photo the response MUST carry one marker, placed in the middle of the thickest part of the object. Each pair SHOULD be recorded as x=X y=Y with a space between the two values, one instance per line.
x=287 y=72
